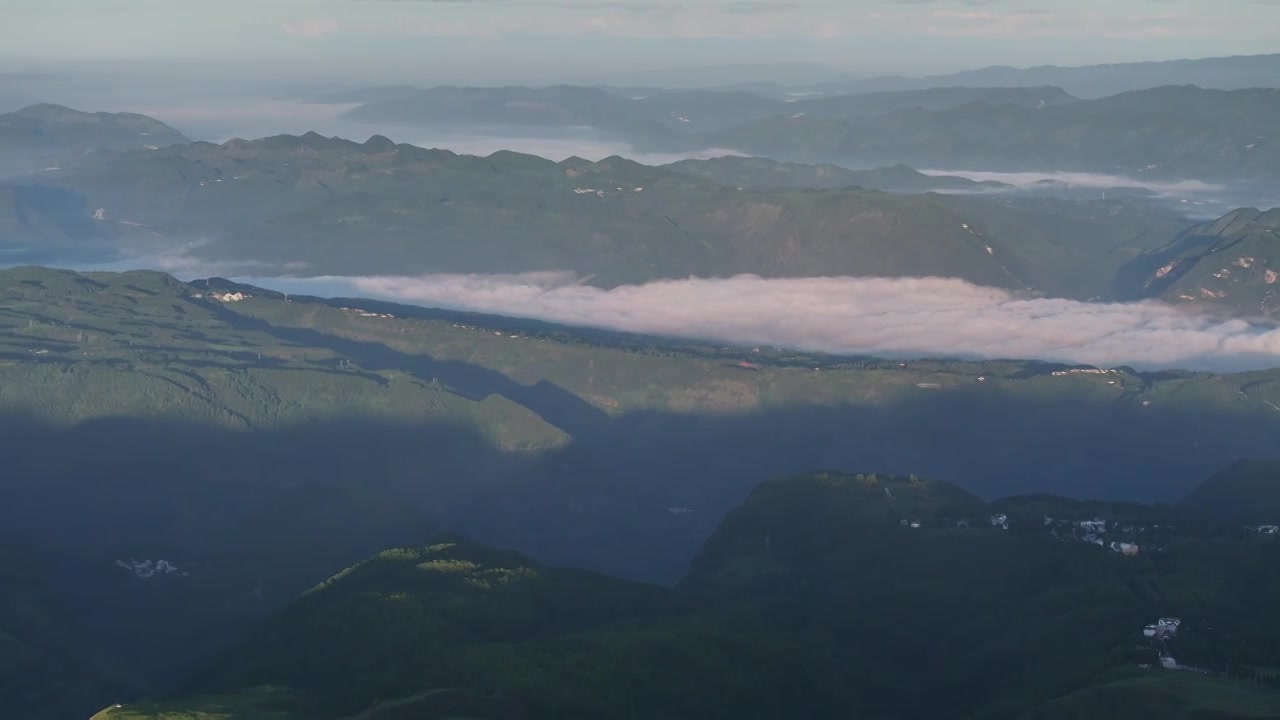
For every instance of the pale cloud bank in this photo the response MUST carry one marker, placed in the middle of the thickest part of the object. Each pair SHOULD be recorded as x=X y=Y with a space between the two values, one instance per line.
x=892 y=317
x=1084 y=180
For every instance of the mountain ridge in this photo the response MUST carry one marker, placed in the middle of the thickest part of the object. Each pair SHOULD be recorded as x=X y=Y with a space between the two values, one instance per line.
x=799 y=558
x=36 y=136
x=316 y=205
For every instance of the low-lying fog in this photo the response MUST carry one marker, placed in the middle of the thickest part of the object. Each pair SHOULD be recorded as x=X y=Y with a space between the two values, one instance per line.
x=891 y=317
x=1197 y=198
x=888 y=317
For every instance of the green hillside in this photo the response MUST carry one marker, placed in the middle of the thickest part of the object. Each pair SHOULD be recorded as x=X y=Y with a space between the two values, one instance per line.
x=873 y=595
x=258 y=445
x=1230 y=265
x=271 y=397
x=383 y=627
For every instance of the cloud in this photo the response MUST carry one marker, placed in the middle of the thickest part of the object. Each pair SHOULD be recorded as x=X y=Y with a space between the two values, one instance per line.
x=589 y=146
x=1085 y=180
x=312 y=28
x=893 y=317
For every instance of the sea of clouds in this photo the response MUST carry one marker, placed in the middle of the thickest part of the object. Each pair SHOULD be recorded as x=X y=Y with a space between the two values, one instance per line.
x=892 y=317
x=889 y=317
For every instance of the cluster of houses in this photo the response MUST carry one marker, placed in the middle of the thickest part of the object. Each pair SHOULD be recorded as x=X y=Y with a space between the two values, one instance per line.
x=1166 y=628
x=146 y=569
x=1267 y=529
x=1162 y=629
x=1087 y=531
x=600 y=193
x=229 y=297
x=1093 y=532
x=366 y=313
x=1084 y=371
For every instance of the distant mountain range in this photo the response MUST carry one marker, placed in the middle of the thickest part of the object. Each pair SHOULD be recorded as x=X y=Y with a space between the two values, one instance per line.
x=1181 y=132
x=1169 y=132
x=329 y=206
x=665 y=117
x=807 y=81
x=39 y=135
x=1087 y=81
x=318 y=205
x=756 y=173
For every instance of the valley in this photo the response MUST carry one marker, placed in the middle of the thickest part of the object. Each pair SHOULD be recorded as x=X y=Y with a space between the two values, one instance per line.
x=225 y=436
x=526 y=640
x=317 y=206
x=750 y=391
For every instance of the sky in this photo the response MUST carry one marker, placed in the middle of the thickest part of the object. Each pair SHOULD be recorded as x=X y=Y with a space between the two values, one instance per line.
x=527 y=40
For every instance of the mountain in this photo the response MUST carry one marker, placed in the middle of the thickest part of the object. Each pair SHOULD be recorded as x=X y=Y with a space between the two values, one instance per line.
x=932 y=99
x=1172 y=132
x=764 y=174
x=225 y=453
x=1229 y=265
x=409 y=612
x=37 y=135
x=653 y=119
x=49 y=667
x=724 y=75
x=561 y=106
x=869 y=595
x=1166 y=132
x=322 y=206
x=361 y=96
x=42 y=223
x=1246 y=490
x=1088 y=81
x=693 y=112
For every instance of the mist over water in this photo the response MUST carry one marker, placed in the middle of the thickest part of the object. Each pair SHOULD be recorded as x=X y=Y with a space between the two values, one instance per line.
x=891 y=317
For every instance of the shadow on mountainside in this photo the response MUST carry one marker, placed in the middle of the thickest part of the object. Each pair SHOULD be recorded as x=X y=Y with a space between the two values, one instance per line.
x=639 y=499
x=634 y=496
x=551 y=402
x=255 y=517
x=248 y=519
